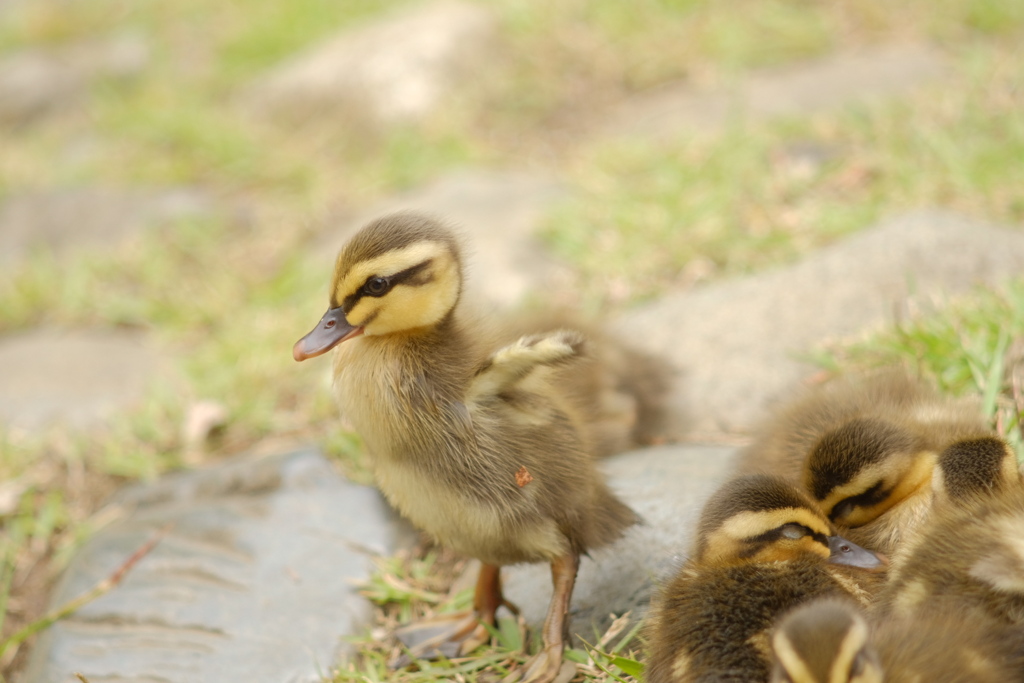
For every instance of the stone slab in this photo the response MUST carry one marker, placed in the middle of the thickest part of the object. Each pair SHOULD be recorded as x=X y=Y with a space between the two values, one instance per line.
x=78 y=378
x=498 y=213
x=667 y=486
x=253 y=581
x=39 y=82
x=66 y=220
x=738 y=345
x=831 y=82
x=394 y=69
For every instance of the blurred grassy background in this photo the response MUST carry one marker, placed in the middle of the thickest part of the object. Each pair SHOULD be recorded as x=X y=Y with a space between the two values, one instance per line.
x=230 y=297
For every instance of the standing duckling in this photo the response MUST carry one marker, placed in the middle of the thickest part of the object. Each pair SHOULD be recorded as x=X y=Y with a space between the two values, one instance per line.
x=475 y=443
x=867 y=448
x=829 y=641
x=762 y=548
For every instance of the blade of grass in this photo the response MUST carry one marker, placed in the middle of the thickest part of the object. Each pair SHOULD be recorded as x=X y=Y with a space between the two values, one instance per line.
x=596 y=655
x=72 y=606
x=14 y=542
x=994 y=378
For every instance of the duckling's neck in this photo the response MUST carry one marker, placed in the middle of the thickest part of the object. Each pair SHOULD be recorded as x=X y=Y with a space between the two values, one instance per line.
x=396 y=388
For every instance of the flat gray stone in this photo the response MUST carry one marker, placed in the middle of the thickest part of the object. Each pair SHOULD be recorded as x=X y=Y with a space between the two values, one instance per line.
x=77 y=378
x=90 y=217
x=498 y=212
x=668 y=487
x=832 y=82
x=253 y=582
x=38 y=82
x=395 y=69
x=738 y=344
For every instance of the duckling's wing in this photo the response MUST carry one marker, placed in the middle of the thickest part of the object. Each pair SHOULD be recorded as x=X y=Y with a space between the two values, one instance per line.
x=511 y=364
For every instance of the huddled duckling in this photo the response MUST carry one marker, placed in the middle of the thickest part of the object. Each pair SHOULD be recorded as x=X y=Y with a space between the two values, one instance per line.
x=762 y=548
x=970 y=557
x=974 y=471
x=866 y=448
x=473 y=438
x=830 y=641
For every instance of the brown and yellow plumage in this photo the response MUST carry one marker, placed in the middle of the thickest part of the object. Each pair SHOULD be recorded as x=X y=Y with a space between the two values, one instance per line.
x=453 y=411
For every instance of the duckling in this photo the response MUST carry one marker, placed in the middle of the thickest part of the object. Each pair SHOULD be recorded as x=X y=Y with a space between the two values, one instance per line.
x=762 y=547
x=975 y=470
x=866 y=448
x=824 y=641
x=620 y=391
x=829 y=641
x=970 y=557
x=474 y=442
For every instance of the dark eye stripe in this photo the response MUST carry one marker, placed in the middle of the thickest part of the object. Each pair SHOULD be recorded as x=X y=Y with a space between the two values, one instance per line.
x=875 y=494
x=757 y=542
x=398 y=278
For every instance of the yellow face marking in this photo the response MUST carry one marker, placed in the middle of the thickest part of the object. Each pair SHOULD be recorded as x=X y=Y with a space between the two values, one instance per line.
x=905 y=482
x=855 y=640
x=840 y=662
x=791 y=661
x=405 y=307
x=389 y=263
x=727 y=542
x=749 y=524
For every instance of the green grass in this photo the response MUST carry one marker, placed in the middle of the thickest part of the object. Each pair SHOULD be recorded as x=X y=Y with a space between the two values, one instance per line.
x=646 y=217
x=407 y=587
x=973 y=346
x=228 y=295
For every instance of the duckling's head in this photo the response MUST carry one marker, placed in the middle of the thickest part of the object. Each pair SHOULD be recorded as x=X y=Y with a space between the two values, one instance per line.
x=825 y=641
x=974 y=468
x=762 y=518
x=401 y=273
x=859 y=470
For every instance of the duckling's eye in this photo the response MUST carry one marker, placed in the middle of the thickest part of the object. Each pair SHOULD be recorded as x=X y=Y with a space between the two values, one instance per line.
x=376 y=286
x=793 y=531
x=842 y=509
x=857 y=666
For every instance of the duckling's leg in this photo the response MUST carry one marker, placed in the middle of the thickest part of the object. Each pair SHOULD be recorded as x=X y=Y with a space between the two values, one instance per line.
x=457 y=633
x=486 y=600
x=545 y=665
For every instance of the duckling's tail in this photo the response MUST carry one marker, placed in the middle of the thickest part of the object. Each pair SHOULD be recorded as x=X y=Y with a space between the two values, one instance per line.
x=608 y=520
x=623 y=395
x=620 y=393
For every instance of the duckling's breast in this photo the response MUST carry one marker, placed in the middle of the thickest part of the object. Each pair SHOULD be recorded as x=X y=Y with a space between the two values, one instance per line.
x=432 y=464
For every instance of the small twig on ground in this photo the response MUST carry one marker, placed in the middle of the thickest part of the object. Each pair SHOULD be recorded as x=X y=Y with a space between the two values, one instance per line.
x=81 y=677
x=619 y=625
x=72 y=606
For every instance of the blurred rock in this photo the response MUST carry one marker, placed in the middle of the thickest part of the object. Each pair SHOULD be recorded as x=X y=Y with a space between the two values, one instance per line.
x=831 y=82
x=498 y=212
x=37 y=82
x=738 y=345
x=7 y=6
x=395 y=69
x=667 y=486
x=78 y=378
x=10 y=494
x=253 y=582
x=89 y=217
x=203 y=420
